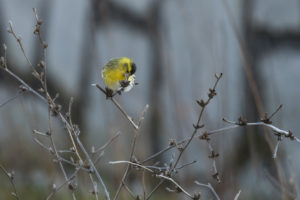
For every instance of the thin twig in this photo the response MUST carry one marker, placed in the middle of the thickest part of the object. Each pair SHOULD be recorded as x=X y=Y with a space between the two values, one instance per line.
x=154 y=189
x=142 y=117
x=131 y=154
x=197 y=126
x=20 y=93
x=209 y=186
x=129 y=191
x=128 y=166
x=276 y=149
x=73 y=143
x=131 y=163
x=187 y=164
x=279 y=107
x=55 y=190
x=40 y=133
x=41 y=144
x=213 y=155
x=10 y=176
x=170 y=146
x=68 y=125
x=95 y=187
x=92 y=166
x=144 y=185
x=18 y=39
x=272 y=127
x=59 y=161
x=171 y=180
x=237 y=195
x=107 y=143
x=119 y=107
x=151 y=171
x=71 y=131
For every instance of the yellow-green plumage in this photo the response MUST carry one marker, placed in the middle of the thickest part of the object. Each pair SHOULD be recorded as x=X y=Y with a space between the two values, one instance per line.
x=116 y=70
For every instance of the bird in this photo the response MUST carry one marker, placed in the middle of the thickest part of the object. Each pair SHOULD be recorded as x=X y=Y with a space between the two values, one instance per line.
x=118 y=75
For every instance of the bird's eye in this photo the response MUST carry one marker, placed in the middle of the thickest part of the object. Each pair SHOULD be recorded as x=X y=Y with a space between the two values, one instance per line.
x=133 y=68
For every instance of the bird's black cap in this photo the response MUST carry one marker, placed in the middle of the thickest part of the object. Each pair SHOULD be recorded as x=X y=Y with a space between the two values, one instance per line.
x=133 y=68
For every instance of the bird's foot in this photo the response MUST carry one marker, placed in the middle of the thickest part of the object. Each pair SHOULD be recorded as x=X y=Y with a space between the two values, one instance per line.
x=109 y=93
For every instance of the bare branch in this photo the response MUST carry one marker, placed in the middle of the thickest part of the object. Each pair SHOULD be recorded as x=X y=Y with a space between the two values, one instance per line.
x=12 y=98
x=128 y=162
x=49 y=100
x=119 y=107
x=56 y=189
x=276 y=149
x=107 y=143
x=174 y=182
x=10 y=176
x=237 y=195
x=209 y=186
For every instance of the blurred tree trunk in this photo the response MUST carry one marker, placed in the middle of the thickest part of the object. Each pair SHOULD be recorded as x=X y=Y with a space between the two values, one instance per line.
x=2 y=27
x=257 y=146
x=156 y=77
x=87 y=58
x=149 y=23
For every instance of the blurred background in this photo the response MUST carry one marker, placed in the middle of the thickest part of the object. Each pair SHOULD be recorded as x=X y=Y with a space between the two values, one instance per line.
x=177 y=47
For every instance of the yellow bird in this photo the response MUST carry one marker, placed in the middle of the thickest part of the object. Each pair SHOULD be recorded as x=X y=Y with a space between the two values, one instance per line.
x=118 y=75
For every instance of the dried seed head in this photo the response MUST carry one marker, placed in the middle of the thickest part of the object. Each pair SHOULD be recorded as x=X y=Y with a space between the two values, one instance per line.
x=93 y=149
x=180 y=148
x=23 y=88
x=4 y=47
x=201 y=103
x=45 y=45
x=11 y=175
x=36 y=74
x=71 y=186
x=241 y=121
x=41 y=90
x=36 y=31
x=213 y=154
x=41 y=64
x=48 y=133
x=197 y=126
x=54 y=187
x=212 y=93
x=196 y=196
x=204 y=136
x=290 y=135
x=72 y=149
x=172 y=142
x=216 y=176
x=2 y=62
x=80 y=162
